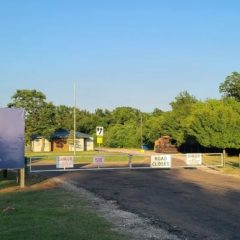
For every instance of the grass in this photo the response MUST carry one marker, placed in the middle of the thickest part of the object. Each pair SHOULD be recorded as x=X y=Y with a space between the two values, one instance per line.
x=10 y=181
x=232 y=165
x=40 y=160
x=50 y=214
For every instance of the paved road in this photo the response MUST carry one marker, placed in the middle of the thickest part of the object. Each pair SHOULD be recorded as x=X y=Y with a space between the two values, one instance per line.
x=191 y=203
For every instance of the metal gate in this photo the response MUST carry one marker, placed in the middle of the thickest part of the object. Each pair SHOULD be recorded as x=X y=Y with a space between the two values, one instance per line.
x=112 y=161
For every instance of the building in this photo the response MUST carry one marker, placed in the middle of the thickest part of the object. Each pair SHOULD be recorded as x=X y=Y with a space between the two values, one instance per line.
x=40 y=144
x=62 y=140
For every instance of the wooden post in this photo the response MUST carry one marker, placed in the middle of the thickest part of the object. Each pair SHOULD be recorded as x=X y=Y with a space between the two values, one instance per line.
x=22 y=177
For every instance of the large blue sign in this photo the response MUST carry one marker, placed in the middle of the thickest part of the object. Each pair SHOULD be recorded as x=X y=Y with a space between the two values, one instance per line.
x=12 y=128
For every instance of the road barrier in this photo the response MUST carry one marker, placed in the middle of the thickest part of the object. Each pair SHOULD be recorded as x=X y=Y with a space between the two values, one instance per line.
x=114 y=161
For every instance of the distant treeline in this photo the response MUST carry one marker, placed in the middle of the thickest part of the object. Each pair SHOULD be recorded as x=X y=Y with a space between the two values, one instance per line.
x=193 y=124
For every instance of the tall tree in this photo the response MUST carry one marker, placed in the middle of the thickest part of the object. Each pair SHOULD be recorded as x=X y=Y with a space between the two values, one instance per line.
x=40 y=115
x=216 y=123
x=231 y=86
x=33 y=102
x=174 y=121
x=119 y=135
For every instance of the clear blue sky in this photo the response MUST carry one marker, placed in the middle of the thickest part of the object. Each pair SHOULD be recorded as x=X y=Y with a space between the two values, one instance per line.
x=138 y=53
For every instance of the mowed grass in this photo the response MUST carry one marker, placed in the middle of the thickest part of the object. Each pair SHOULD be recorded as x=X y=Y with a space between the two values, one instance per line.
x=84 y=158
x=9 y=181
x=232 y=165
x=50 y=214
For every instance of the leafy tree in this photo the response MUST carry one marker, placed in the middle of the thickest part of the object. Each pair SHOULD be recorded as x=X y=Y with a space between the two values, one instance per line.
x=231 y=86
x=47 y=120
x=174 y=121
x=126 y=135
x=216 y=123
x=33 y=102
x=183 y=102
x=122 y=115
x=152 y=128
x=64 y=117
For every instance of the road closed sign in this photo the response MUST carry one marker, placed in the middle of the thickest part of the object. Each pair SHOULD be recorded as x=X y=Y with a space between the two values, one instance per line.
x=65 y=162
x=98 y=160
x=161 y=161
x=194 y=159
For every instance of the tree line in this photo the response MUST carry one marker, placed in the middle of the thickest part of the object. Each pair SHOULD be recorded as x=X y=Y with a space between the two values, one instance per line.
x=212 y=123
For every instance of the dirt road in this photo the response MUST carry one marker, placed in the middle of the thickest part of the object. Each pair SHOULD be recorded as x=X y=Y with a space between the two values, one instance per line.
x=191 y=203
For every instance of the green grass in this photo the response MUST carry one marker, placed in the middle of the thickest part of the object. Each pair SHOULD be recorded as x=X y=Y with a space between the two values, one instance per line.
x=10 y=181
x=50 y=214
x=85 y=158
x=232 y=165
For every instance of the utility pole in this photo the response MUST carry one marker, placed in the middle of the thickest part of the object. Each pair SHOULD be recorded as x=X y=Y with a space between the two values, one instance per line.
x=141 y=132
x=74 y=118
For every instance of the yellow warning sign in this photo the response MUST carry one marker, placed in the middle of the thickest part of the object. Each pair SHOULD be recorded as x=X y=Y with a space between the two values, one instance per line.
x=99 y=140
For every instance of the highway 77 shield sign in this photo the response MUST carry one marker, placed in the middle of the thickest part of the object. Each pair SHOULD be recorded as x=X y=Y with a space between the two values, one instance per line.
x=99 y=131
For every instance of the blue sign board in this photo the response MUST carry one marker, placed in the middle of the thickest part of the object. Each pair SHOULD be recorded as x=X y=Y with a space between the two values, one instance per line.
x=12 y=128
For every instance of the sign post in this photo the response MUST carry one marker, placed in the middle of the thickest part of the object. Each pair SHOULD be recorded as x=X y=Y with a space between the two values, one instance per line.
x=99 y=133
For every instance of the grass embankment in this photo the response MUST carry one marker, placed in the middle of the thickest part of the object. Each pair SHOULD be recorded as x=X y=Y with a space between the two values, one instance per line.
x=48 y=214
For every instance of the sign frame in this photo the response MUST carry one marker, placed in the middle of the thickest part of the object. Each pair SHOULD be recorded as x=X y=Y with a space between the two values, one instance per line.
x=65 y=162
x=194 y=159
x=99 y=131
x=98 y=160
x=162 y=161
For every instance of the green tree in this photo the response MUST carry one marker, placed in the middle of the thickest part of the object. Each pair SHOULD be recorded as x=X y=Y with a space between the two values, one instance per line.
x=231 y=86
x=64 y=117
x=120 y=135
x=122 y=115
x=216 y=123
x=33 y=102
x=174 y=121
x=152 y=128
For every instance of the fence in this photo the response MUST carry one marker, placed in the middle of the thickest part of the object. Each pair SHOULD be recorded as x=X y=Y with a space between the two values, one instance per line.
x=111 y=161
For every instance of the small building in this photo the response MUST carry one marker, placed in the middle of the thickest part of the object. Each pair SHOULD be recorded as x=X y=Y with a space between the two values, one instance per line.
x=40 y=144
x=62 y=141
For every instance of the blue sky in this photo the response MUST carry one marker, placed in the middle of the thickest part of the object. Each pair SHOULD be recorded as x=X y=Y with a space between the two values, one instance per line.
x=138 y=53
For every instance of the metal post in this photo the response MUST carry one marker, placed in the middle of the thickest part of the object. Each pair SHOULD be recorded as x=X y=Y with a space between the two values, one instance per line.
x=130 y=160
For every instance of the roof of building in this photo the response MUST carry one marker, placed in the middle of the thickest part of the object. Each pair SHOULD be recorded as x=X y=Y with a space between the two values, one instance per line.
x=62 y=133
